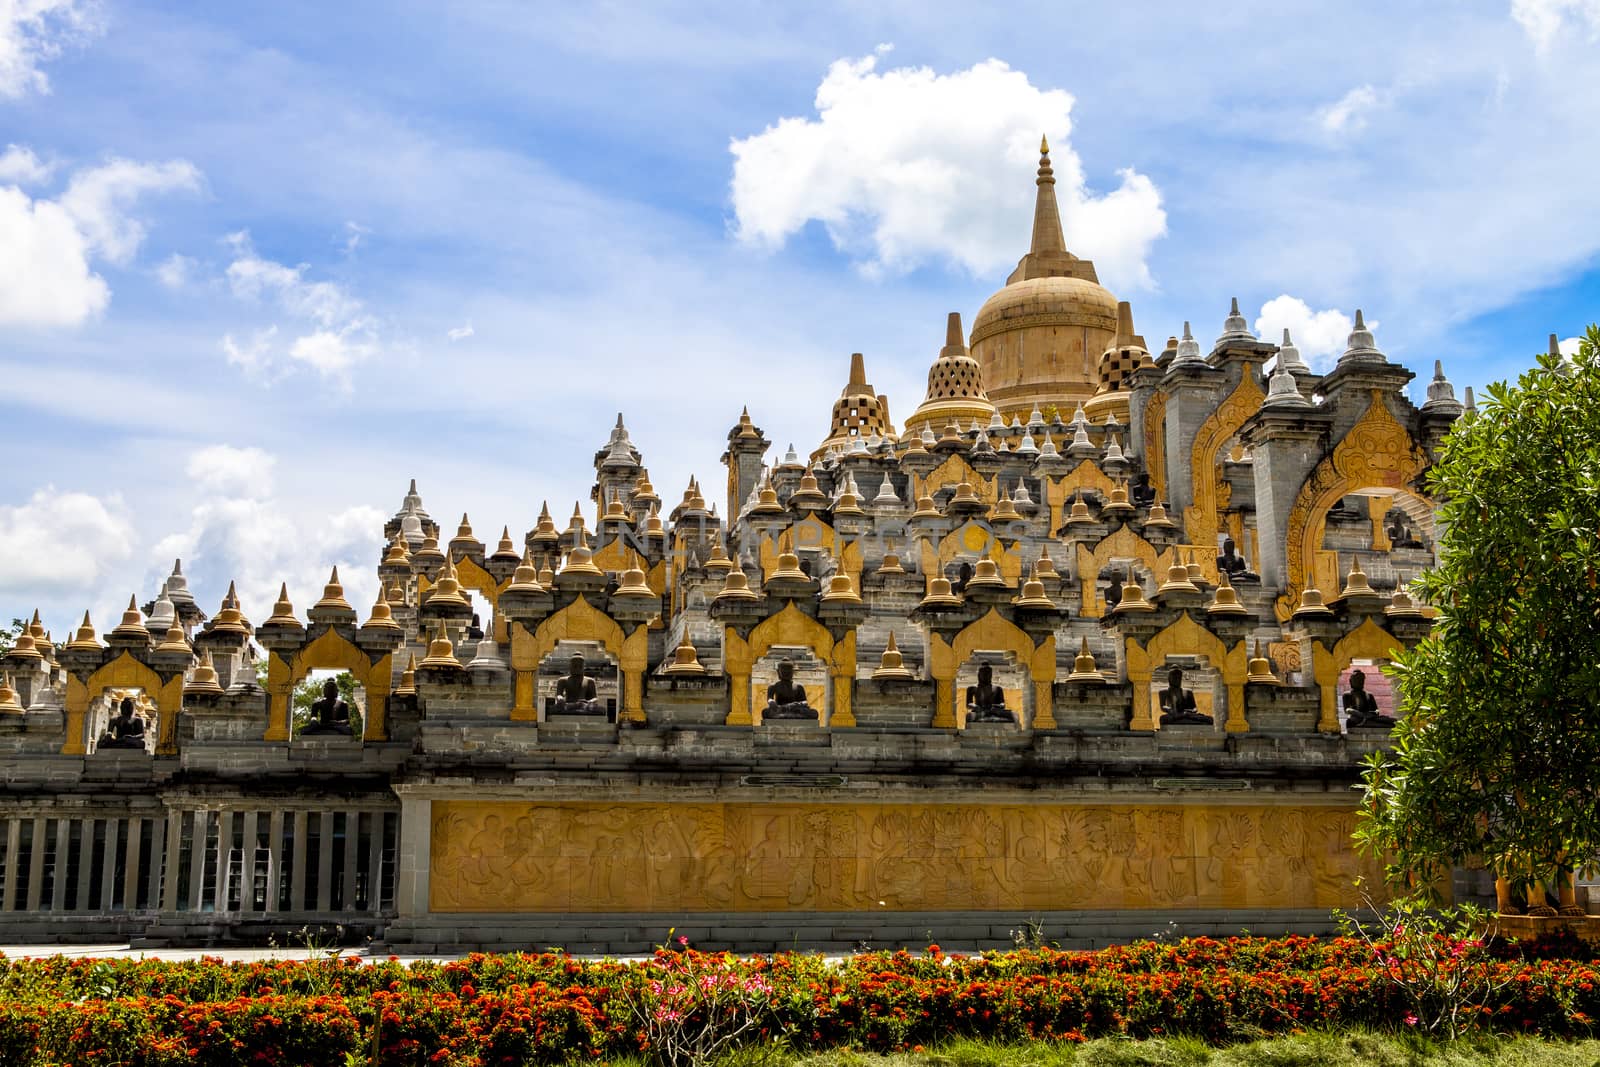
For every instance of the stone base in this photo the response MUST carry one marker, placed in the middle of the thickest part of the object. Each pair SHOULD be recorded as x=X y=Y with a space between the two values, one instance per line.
x=1527 y=927
x=639 y=933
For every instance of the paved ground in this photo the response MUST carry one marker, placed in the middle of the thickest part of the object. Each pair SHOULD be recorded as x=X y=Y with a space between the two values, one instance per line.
x=230 y=955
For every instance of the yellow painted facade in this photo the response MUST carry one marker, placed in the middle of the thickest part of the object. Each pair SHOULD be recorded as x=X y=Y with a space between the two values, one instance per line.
x=514 y=857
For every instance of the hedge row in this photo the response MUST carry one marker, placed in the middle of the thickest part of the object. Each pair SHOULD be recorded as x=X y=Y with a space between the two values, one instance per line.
x=551 y=1008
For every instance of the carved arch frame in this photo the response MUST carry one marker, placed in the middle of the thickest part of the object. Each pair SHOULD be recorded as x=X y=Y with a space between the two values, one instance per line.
x=790 y=626
x=329 y=650
x=1201 y=520
x=992 y=631
x=123 y=671
x=1367 y=641
x=1377 y=453
x=578 y=621
x=1187 y=637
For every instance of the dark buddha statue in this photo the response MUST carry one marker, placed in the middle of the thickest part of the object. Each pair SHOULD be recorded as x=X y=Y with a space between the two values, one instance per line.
x=1234 y=565
x=1361 y=707
x=475 y=629
x=1400 y=535
x=1178 y=707
x=786 y=699
x=125 y=730
x=329 y=714
x=1143 y=493
x=575 y=692
x=986 y=702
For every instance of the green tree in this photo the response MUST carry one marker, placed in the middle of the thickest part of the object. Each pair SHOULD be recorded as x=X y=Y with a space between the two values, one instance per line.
x=8 y=636
x=1497 y=759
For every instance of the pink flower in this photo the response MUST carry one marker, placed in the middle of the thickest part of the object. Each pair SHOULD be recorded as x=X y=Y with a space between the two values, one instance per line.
x=1410 y=1020
x=682 y=940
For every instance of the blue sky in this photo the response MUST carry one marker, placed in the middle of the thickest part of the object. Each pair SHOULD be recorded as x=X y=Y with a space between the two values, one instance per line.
x=259 y=266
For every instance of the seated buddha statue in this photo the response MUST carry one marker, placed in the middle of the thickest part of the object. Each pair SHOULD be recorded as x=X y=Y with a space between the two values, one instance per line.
x=1143 y=493
x=125 y=730
x=1361 y=707
x=786 y=699
x=1178 y=707
x=329 y=714
x=1234 y=565
x=986 y=702
x=575 y=692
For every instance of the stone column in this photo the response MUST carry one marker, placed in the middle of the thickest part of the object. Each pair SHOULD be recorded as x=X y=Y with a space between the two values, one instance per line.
x=1192 y=394
x=1287 y=445
x=413 y=864
x=1043 y=674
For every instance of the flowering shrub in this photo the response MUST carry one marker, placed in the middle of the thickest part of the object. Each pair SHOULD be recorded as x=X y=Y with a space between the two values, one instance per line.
x=682 y=1006
x=692 y=1006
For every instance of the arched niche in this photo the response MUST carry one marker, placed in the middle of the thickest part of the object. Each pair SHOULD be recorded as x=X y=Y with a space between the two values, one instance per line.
x=951 y=473
x=1367 y=641
x=1086 y=476
x=992 y=633
x=1201 y=520
x=328 y=651
x=1185 y=637
x=472 y=576
x=1122 y=543
x=791 y=626
x=1377 y=453
x=579 y=621
x=811 y=536
x=973 y=540
x=123 y=672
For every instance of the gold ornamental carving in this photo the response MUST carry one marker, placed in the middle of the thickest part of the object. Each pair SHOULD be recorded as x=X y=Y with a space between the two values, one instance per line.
x=1212 y=494
x=1155 y=443
x=516 y=856
x=1377 y=453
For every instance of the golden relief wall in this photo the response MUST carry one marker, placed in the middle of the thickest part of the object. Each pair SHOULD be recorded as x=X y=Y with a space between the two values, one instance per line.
x=508 y=856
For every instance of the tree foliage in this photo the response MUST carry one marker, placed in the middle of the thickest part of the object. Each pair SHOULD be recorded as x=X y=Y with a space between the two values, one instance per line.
x=1497 y=758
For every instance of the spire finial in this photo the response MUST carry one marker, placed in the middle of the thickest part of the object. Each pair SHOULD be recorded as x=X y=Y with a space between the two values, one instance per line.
x=1046 y=214
x=1555 y=346
x=1044 y=145
x=858 y=372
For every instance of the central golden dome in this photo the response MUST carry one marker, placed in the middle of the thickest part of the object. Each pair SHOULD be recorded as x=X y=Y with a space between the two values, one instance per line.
x=1039 y=340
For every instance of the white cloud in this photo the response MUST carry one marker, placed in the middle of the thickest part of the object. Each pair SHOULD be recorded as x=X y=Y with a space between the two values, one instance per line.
x=20 y=166
x=908 y=166
x=354 y=233
x=1319 y=335
x=60 y=538
x=231 y=470
x=1349 y=114
x=1569 y=347
x=174 y=271
x=99 y=200
x=338 y=331
x=460 y=333
x=46 y=278
x=1544 y=20
x=33 y=32
x=242 y=532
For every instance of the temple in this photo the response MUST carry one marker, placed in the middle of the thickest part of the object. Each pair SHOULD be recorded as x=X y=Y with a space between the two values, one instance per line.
x=1072 y=646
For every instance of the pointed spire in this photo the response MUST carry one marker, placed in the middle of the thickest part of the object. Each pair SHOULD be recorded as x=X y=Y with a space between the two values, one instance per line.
x=1047 y=235
x=1188 y=347
x=1289 y=356
x=955 y=341
x=858 y=372
x=1361 y=347
x=1234 y=327
x=1441 y=394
